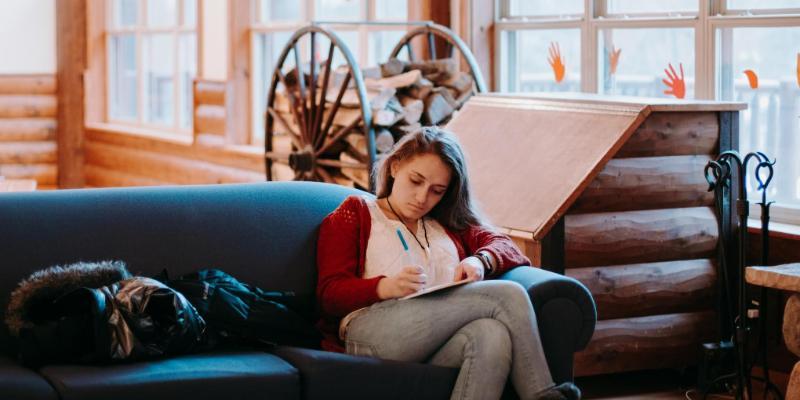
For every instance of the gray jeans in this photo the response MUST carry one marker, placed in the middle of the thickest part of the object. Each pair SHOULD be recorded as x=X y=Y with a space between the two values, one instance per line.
x=487 y=329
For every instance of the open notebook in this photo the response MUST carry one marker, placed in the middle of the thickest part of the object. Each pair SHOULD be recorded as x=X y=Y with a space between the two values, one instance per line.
x=436 y=288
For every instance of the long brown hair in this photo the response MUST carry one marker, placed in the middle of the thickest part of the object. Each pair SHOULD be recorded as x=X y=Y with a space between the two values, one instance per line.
x=456 y=210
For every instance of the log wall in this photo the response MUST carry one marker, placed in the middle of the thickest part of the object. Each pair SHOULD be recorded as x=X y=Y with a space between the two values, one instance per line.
x=28 y=113
x=209 y=112
x=643 y=238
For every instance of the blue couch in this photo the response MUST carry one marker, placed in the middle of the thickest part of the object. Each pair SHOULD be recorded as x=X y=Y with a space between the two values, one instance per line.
x=262 y=233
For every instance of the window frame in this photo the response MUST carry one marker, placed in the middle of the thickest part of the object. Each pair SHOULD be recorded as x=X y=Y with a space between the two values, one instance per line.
x=140 y=30
x=712 y=15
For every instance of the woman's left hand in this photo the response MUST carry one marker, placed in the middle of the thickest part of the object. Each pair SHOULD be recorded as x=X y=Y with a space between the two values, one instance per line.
x=469 y=268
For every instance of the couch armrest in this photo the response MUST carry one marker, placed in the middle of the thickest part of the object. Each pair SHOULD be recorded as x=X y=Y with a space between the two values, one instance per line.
x=565 y=312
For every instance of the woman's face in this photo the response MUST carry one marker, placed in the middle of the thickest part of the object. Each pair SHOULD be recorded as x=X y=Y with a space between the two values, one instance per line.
x=419 y=184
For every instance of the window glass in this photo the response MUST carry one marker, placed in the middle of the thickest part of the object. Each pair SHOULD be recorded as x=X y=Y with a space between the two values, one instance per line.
x=381 y=45
x=266 y=48
x=122 y=71
x=761 y=67
x=391 y=9
x=544 y=7
x=189 y=13
x=280 y=10
x=650 y=6
x=187 y=50
x=632 y=62
x=762 y=4
x=541 y=60
x=158 y=63
x=162 y=13
x=337 y=10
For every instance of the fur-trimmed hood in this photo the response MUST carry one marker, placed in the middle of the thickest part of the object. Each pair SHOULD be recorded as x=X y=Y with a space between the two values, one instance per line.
x=49 y=284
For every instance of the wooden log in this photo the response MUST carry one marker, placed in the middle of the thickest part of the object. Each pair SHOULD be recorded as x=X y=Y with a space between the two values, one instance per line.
x=28 y=152
x=647 y=183
x=28 y=106
x=384 y=141
x=634 y=290
x=105 y=177
x=43 y=174
x=27 y=84
x=420 y=90
x=617 y=238
x=412 y=109
x=209 y=92
x=163 y=167
x=209 y=119
x=393 y=67
x=445 y=65
x=359 y=176
x=674 y=134
x=661 y=341
x=27 y=129
x=437 y=109
x=460 y=81
x=399 y=81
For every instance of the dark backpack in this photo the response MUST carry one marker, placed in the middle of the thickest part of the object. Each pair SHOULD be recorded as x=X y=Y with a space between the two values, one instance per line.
x=238 y=313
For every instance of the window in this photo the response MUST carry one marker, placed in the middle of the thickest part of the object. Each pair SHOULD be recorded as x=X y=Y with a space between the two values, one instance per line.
x=731 y=50
x=152 y=60
x=279 y=19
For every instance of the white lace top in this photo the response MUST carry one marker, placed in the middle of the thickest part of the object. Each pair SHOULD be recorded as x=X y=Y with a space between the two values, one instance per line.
x=386 y=255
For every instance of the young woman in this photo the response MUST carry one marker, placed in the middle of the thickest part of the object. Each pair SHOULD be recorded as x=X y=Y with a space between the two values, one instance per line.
x=487 y=328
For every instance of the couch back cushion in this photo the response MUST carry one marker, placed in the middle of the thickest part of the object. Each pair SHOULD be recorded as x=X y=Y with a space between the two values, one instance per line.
x=261 y=233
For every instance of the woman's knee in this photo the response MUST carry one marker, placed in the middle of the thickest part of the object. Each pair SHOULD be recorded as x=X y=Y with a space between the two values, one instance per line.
x=507 y=291
x=489 y=336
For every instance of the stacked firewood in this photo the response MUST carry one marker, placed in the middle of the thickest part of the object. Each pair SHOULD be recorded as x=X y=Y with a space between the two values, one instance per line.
x=403 y=96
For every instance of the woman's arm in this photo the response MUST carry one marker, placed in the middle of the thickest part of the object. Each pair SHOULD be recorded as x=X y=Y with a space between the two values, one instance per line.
x=501 y=248
x=340 y=290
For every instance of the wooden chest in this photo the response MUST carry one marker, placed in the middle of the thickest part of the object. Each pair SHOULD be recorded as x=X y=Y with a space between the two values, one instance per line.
x=611 y=191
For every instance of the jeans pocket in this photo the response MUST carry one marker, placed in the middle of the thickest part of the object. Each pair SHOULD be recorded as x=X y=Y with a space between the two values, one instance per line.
x=360 y=349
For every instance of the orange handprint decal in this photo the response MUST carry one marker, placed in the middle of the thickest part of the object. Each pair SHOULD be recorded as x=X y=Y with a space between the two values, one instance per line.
x=614 y=59
x=556 y=61
x=752 y=78
x=675 y=83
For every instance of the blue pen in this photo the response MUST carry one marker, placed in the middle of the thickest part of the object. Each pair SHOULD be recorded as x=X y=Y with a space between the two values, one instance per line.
x=409 y=259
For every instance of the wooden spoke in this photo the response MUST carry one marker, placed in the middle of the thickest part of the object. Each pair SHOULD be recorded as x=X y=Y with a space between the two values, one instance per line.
x=318 y=119
x=431 y=45
x=292 y=134
x=451 y=50
x=292 y=101
x=336 y=105
x=324 y=174
x=339 y=164
x=337 y=136
x=312 y=88
x=278 y=157
x=301 y=82
x=410 y=52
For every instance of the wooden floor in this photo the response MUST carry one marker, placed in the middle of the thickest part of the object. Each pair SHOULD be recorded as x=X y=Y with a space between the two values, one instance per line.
x=657 y=385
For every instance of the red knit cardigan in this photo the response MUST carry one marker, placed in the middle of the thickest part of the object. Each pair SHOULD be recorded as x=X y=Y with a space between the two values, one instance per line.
x=341 y=256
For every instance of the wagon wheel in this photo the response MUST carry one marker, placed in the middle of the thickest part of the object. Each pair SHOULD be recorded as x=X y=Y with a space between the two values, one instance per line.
x=306 y=142
x=430 y=32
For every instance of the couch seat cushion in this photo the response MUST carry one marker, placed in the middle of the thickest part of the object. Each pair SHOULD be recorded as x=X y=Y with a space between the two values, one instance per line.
x=18 y=382
x=327 y=375
x=227 y=375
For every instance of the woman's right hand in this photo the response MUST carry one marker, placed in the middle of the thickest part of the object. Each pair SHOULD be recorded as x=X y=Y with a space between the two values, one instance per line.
x=410 y=280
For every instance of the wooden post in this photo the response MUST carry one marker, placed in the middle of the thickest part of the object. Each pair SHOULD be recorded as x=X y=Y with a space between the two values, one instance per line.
x=71 y=58
x=238 y=102
x=553 y=248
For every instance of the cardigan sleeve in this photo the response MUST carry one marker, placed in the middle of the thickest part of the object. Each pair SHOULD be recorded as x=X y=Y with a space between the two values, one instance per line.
x=508 y=255
x=340 y=289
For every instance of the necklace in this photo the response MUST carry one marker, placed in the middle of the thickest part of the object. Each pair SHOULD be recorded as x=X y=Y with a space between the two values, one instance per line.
x=424 y=229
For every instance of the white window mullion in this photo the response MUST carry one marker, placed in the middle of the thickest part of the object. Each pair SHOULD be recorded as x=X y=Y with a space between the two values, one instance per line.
x=589 y=53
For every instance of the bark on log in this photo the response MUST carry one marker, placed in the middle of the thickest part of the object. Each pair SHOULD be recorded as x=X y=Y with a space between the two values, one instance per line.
x=28 y=106
x=209 y=92
x=28 y=84
x=27 y=129
x=661 y=341
x=209 y=119
x=44 y=174
x=634 y=290
x=647 y=183
x=617 y=238
x=164 y=168
x=28 y=152
x=674 y=134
